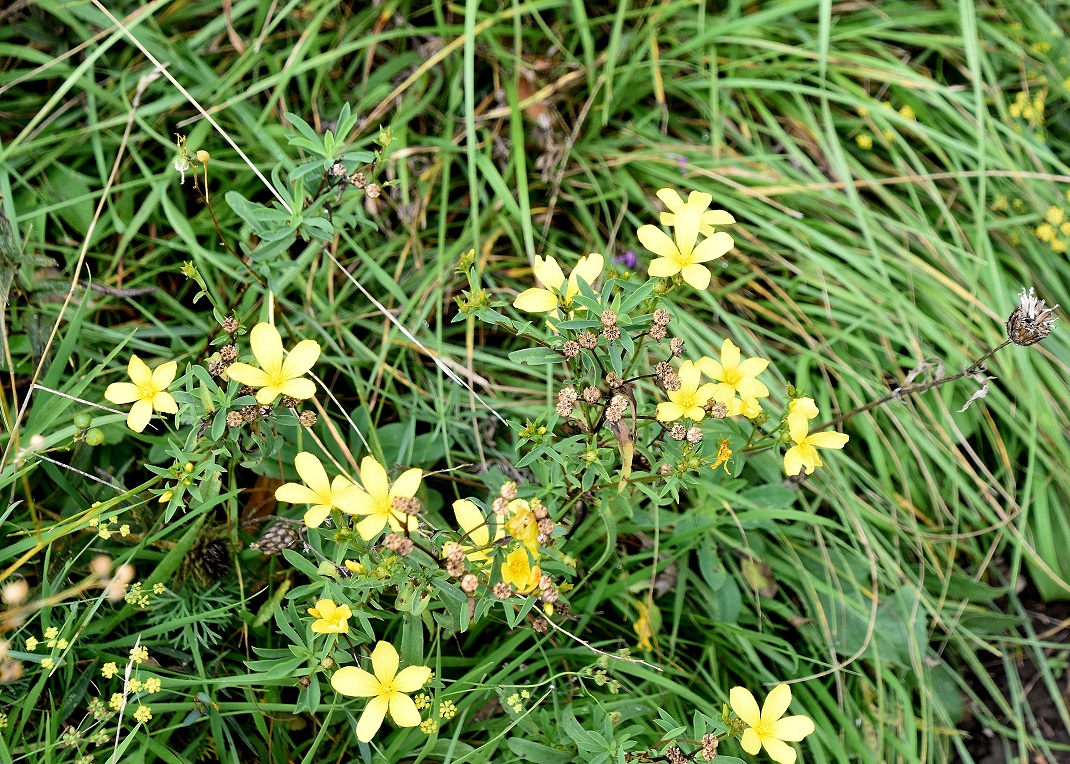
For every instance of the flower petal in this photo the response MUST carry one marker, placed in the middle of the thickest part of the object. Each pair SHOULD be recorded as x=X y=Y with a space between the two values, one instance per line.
x=165 y=403
x=312 y=472
x=548 y=273
x=164 y=374
x=700 y=200
x=698 y=276
x=746 y=708
x=407 y=484
x=589 y=268
x=535 y=301
x=373 y=477
x=412 y=678
x=267 y=395
x=689 y=376
x=657 y=241
x=140 y=414
x=717 y=217
x=371 y=526
x=749 y=387
x=750 y=742
x=670 y=412
x=372 y=719
x=302 y=358
x=244 y=374
x=346 y=496
x=712 y=248
x=472 y=522
x=776 y=703
x=296 y=493
x=122 y=392
x=793 y=462
x=266 y=344
x=793 y=728
x=686 y=230
x=711 y=367
x=752 y=367
x=355 y=682
x=663 y=268
x=671 y=199
x=315 y=516
x=779 y=751
x=385 y=661
x=139 y=373
x=729 y=354
x=828 y=439
x=403 y=711
x=301 y=388
x=797 y=428
x=804 y=406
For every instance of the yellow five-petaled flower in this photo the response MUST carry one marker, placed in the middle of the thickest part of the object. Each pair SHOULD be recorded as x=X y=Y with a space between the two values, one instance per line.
x=803 y=455
x=277 y=375
x=318 y=490
x=688 y=400
x=556 y=288
x=766 y=727
x=330 y=617
x=377 y=499
x=734 y=375
x=709 y=218
x=683 y=253
x=147 y=390
x=387 y=688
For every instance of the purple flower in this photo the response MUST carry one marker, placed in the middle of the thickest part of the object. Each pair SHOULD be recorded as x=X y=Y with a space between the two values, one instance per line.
x=628 y=260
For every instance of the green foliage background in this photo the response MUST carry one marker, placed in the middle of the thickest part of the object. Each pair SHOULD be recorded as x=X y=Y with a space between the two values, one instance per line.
x=896 y=568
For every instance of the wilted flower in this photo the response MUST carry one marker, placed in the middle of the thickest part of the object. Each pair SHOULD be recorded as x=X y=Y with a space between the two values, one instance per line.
x=1031 y=321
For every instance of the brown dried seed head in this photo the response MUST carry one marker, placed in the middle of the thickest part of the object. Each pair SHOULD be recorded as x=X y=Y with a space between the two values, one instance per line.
x=228 y=353
x=216 y=368
x=372 y=190
x=469 y=583
x=502 y=590
x=677 y=432
x=508 y=490
x=616 y=407
x=235 y=419
x=611 y=333
x=608 y=318
x=613 y=379
x=676 y=345
x=716 y=409
x=657 y=333
x=276 y=538
x=588 y=340
x=592 y=394
x=694 y=435
x=307 y=418
x=250 y=413
x=709 y=746
x=661 y=317
x=1031 y=321
x=231 y=325
x=358 y=180
x=570 y=349
x=337 y=170
x=500 y=505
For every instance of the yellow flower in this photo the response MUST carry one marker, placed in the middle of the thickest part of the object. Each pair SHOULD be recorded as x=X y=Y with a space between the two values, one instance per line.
x=802 y=408
x=134 y=684
x=116 y=700
x=474 y=525
x=766 y=727
x=139 y=654
x=549 y=274
x=689 y=399
x=152 y=685
x=642 y=627
x=147 y=390
x=51 y=632
x=682 y=255
x=332 y=618
x=724 y=453
x=143 y=714
x=318 y=490
x=47 y=663
x=733 y=375
x=31 y=643
x=523 y=525
x=377 y=499
x=709 y=218
x=518 y=571
x=804 y=453
x=386 y=688
x=277 y=375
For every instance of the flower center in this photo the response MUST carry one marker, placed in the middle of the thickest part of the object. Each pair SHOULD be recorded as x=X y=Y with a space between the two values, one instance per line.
x=732 y=377
x=148 y=391
x=687 y=399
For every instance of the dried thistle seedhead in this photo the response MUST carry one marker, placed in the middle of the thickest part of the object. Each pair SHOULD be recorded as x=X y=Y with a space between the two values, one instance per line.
x=1031 y=321
x=276 y=538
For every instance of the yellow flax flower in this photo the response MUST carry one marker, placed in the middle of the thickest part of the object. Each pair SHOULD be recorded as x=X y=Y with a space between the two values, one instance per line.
x=734 y=375
x=277 y=375
x=518 y=571
x=766 y=727
x=682 y=254
x=689 y=399
x=709 y=218
x=476 y=530
x=330 y=617
x=556 y=288
x=376 y=500
x=804 y=453
x=803 y=408
x=318 y=490
x=147 y=390
x=387 y=688
x=523 y=525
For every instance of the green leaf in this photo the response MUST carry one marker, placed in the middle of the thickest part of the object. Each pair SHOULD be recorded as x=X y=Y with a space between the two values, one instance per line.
x=535 y=356
x=538 y=753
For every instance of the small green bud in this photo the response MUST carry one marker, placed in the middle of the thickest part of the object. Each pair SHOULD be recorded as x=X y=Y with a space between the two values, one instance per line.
x=82 y=420
x=94 y=437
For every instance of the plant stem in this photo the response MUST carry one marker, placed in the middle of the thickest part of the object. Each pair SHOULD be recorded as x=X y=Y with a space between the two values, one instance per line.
x=974 y=368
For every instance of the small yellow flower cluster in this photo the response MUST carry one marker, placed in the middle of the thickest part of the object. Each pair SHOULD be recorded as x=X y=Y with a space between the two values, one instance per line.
x=429 y=726
x=447 y=710
x=136 y=596
x=1055 y=230
x=1030 y=109
x=864 y=141
x=139 y=654
x=143 y=714
x=422 y=701
x=516 y=702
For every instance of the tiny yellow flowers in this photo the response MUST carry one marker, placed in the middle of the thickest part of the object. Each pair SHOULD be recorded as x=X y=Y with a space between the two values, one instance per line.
x=31 y=643
x=47 y=663
x=143 y=714
x=331 y=618
x=476 y=532
x=766 y=727
x=116 y=700
x=277 y=375
x=109 y=670
x=147 y=390
x=139 y=654
x=724 y=454
x=556 y=288
x=378 y=497
x=734 y=375
x=804 y=453
x=318 y=490
x=152 y=685
x=518 y=571
x=689 y=399
x=700 y=201
x=681 y=255
x=51 y=633
x=387 y=688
